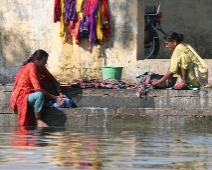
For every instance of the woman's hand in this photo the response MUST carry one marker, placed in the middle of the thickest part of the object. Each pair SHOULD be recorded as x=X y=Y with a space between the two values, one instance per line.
x=60 y=93
x=59 y=99
x=156 y=82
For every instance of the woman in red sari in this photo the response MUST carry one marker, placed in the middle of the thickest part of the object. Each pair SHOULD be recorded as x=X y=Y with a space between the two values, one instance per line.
x=32 y=83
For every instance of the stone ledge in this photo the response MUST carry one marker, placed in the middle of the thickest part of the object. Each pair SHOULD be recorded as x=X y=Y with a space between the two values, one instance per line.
x=115 y=99
x=95 y=105
x=89 y=116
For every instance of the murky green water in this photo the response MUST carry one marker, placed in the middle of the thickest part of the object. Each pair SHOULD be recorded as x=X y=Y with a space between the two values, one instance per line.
x=124 y=143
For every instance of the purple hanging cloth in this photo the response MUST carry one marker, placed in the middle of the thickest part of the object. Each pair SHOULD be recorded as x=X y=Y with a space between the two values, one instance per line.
x=70 y=11
x=93 y=22
x=84 y=26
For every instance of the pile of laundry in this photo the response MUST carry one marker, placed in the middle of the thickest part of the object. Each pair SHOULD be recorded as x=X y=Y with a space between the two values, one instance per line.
x=142 y=86
x=94 y=83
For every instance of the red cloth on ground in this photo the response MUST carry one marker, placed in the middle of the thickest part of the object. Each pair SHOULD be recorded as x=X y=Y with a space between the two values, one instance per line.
x=28 y=79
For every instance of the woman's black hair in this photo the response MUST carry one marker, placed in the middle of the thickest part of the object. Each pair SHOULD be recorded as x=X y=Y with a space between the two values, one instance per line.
x=171 y=36
x=38 y=55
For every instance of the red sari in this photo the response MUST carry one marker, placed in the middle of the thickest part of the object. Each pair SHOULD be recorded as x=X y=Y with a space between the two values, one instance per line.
x=29 y=79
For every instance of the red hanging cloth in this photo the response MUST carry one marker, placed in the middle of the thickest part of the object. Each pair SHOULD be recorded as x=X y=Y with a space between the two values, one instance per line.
x=105 y=19
x=57 y=10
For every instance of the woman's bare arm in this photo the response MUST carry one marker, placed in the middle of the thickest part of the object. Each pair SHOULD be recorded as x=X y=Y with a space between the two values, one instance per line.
x=164 y=78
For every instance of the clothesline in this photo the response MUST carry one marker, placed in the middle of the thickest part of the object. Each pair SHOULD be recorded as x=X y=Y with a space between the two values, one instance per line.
x=83 y=19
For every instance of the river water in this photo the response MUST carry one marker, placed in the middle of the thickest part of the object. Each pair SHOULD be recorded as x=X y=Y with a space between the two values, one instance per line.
x=124 y=143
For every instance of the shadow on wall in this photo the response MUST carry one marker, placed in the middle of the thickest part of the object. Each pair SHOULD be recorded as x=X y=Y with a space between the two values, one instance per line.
x=200 y=41
x=13 y=52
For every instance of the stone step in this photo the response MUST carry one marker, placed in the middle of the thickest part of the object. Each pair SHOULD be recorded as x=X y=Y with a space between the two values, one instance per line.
x=87 y=116
x=97 y=104
x=115 y=98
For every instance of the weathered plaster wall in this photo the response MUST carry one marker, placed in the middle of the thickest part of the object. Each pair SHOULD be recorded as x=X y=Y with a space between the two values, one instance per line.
x=185 y=16
x=27 y=25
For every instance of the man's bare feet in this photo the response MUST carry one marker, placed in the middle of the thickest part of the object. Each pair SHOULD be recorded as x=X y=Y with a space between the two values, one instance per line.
x=40 y=123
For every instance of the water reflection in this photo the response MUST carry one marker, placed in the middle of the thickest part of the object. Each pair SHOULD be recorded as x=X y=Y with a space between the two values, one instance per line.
x=63 y=149
x=77 y=150
x=146 y=143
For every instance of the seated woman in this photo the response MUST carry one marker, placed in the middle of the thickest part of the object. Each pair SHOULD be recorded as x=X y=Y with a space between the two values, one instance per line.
x=31 y=86
x=184 y=62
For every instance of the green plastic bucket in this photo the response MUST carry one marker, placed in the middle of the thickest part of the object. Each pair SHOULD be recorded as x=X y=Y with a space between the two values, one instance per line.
x=112 y=72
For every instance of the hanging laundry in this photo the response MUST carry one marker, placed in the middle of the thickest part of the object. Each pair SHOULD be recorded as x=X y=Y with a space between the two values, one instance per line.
x=83 y=19
x=93 y=21
x=70 y=11
x=62 y=19
x=84 y=26
x=89 y=5
x=105 y=19
x=57 y=10
x=79 y=9
x=99 y=32
x=74 y=28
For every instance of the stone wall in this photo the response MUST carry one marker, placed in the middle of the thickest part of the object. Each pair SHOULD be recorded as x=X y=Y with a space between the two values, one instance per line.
x=25 y=26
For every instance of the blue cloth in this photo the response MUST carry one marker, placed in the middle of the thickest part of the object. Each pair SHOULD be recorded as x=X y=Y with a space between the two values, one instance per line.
x=36 y=100
x=66 y=103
